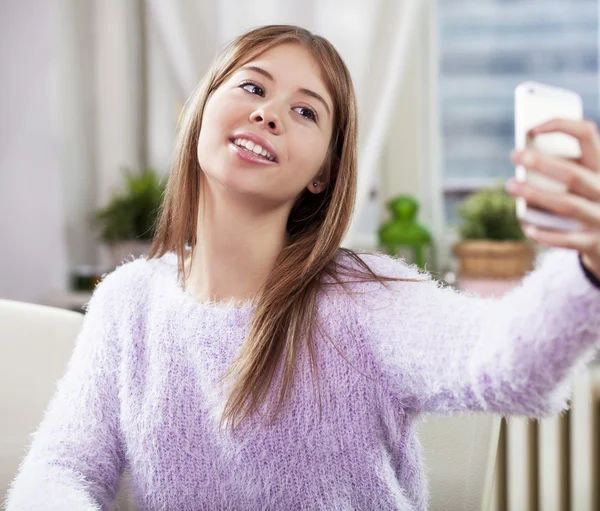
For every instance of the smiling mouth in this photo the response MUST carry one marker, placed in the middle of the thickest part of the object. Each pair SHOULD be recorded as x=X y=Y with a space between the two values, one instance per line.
x=274 y=160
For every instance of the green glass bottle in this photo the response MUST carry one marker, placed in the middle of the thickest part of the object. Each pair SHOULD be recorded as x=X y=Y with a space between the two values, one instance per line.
x=403 y=233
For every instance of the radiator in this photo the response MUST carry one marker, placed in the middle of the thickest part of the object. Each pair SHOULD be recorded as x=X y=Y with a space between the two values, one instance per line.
x=552 y=464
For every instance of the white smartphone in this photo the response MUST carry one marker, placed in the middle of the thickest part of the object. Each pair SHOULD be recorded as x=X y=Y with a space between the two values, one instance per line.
x=536 y=103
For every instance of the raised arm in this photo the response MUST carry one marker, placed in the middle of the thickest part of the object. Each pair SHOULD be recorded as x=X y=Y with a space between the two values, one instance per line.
x=75 y=457
x=441 y=350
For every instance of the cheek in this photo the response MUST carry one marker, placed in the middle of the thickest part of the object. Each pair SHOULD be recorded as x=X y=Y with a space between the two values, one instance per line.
x=210 y=122
x=212 y=132
x=202 y=153
x=217 y=117
x=308 y=156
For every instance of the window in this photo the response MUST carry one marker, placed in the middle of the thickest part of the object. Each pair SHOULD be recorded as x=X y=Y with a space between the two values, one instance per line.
x=487 y=47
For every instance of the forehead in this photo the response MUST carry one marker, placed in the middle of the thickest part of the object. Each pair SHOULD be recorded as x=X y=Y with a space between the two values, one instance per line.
x=290 y=64
x=289 y=56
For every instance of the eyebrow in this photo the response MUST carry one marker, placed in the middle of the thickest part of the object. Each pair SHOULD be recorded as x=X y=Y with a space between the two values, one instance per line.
x=308 y=92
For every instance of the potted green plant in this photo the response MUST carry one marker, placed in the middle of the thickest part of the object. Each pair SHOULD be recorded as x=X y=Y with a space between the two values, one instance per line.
x=127 y=223
x=492 y=243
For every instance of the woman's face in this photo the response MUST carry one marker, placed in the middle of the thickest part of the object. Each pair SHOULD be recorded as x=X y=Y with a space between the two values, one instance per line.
x=271 y=104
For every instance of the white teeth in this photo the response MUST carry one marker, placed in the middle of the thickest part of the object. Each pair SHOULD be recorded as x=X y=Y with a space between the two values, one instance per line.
x=255 y=148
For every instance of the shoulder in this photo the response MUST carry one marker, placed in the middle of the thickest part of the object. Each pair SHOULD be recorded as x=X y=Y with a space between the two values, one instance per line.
x=353 y=266
x=358 y=306
x=124 y=286
x=391 y=266
x=358 y=290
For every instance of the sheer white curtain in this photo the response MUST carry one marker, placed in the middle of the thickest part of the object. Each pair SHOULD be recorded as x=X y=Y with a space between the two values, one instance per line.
x=31 y=228
x=412 y=157
x=375 y=39
x=100 y=106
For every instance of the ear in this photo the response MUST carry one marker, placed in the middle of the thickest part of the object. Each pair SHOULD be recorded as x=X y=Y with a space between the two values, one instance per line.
x=320 y=186
x=320 y=180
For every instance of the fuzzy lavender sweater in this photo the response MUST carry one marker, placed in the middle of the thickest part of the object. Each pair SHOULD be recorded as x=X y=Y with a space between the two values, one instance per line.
x=140 y=391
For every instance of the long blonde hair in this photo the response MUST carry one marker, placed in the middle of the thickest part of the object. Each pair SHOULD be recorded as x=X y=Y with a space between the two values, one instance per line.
x=286 y=303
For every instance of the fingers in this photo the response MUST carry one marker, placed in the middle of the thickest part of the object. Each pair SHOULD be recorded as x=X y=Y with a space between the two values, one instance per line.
x=582 y=179
x=585 y=131
x=577 y=178
x=560 y=203
x=584 y=242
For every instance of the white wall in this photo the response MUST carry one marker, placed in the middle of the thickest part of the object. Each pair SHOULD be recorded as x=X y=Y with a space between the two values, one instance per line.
x=71 y=121
x=32 y=252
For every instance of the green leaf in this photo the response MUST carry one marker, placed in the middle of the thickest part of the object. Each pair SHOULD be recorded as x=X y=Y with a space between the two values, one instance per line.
x=489 y=214
x=132 y=213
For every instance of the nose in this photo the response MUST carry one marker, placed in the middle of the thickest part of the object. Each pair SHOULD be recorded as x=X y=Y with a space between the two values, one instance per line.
x=268 y=117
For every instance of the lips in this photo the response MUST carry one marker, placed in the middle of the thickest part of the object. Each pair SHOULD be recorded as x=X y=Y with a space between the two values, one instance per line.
x=257 y=140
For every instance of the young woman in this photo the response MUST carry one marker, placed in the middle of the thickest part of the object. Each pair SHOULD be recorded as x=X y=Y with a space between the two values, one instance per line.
x=246 y=282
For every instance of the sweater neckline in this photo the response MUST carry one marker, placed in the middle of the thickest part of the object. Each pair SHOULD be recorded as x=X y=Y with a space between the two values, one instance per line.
x=192 y=303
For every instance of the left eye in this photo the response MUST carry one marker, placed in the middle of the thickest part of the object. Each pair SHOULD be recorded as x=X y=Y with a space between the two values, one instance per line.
x=313 y=115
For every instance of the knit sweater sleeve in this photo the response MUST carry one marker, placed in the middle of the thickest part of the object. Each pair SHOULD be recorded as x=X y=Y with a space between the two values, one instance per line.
x=436 y=349
x=75 y=457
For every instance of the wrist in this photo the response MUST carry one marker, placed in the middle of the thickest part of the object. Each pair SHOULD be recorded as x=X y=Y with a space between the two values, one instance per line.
x=591 y=268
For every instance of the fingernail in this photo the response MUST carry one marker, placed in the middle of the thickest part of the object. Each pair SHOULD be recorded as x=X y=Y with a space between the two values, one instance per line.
x=530 y=231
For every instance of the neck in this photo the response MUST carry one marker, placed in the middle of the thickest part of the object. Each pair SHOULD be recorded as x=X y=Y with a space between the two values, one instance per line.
x=237 y=247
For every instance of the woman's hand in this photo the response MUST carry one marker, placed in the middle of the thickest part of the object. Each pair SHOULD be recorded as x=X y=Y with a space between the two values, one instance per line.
x=581 y=200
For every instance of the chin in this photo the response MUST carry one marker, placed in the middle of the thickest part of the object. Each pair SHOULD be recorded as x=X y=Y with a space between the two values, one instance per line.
x=236 y=180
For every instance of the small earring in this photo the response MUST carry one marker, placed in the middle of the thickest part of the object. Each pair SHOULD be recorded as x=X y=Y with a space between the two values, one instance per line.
x=315 y=184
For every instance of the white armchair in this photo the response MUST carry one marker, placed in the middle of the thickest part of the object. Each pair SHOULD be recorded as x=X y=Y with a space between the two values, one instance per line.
x=36 y=342
x=459 y=453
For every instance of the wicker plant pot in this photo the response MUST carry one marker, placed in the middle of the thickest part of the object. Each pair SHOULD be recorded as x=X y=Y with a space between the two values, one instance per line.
x=494 y=259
